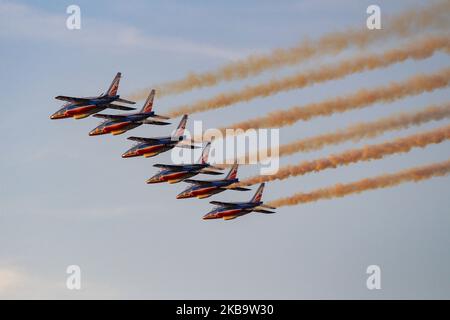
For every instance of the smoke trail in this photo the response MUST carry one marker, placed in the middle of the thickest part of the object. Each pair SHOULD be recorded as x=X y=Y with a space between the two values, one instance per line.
x=404 y=24
x=389 y=180
x=416 y=50
x=366 y=153
x=360 y=99
x=356 y=132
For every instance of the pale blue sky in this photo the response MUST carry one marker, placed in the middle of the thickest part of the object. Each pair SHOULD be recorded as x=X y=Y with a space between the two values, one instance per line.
x=67 y=198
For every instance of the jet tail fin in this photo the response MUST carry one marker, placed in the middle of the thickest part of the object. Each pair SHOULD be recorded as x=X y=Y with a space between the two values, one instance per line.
x=258 y=194
x=112 y=90
x=204 y=157
x=233 y=172
x=180 y=129
x=148 y=105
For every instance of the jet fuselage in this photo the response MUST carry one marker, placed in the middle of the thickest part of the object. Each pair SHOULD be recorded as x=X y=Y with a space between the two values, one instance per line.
x=172 y=176
x=239 y=209
x=120 y=126
x=79 y=110
x=150 y=149
x=177 y=174
x=206 y=190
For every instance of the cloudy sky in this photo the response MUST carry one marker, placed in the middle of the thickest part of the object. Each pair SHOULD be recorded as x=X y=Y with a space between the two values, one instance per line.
x=70 y=199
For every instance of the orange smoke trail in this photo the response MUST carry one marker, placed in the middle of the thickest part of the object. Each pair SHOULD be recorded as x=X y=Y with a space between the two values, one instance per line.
x=366 y=153
x=356 y=132
x=360 y=99
x=384 y=181
x=415 y=50
x=404 y=24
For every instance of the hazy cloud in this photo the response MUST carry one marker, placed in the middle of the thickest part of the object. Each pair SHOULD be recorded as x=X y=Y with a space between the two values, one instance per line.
x=26 y=22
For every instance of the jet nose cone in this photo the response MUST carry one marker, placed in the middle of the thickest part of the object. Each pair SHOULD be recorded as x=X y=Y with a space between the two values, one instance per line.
x=56 y=115
x=127 y=154
x=152 y=180
x=94 y=132
x=60 y=114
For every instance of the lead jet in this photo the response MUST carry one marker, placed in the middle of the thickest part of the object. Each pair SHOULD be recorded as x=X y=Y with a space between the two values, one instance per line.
x=118 y=124
x=232 y=210
x=176 y=173
x=80 y=108
x=149 y=147
x=204 y=189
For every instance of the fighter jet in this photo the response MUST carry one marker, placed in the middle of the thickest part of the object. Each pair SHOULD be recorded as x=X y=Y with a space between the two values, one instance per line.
x=176 y=173
x=204 y=189
x=232 y=210
x=118 y=124
x=80 y=108
x=149 y=147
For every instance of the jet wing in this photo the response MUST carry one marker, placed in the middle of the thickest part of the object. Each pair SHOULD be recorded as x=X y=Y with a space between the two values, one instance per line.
x=155 y=122
x=237 y=188
x=160 y=117
x=110 y=116
x=139 y=139
x=118 y=107
x=187 y=146
x=71 y=99
x=216 y=167
x=210 y=172
x=267 y=207
x=125 y=101
x=223 y=204
x=168 y=166
x=259 y=209
x=198 y=182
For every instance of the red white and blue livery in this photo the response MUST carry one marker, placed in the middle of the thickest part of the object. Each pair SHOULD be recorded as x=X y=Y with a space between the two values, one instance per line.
x=118 y=124
x=203 y=189
x=79 y=108
x=150 y=147
x=232 y=210
x=176 y=173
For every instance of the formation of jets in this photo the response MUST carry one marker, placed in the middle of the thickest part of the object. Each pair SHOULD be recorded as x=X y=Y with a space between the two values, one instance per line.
x=82 y=107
